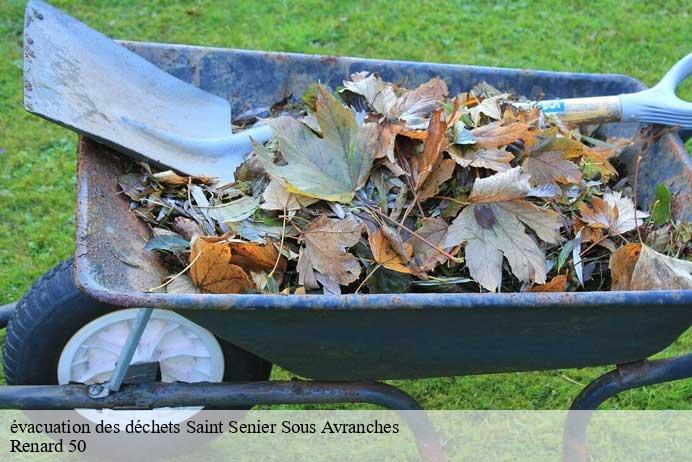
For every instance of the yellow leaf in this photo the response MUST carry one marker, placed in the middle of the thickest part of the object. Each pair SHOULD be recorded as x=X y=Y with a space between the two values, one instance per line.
x=384 y=255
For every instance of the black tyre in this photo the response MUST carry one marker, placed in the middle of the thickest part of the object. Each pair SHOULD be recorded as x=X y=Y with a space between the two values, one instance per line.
x=53 y=310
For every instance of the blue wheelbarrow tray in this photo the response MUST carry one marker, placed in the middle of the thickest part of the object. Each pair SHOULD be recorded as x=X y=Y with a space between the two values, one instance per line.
x=386 y=336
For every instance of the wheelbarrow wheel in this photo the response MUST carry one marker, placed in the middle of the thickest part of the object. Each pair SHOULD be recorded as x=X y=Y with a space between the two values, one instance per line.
x=52 y=320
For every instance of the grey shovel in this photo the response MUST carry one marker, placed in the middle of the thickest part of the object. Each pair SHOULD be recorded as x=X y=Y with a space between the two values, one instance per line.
x=79 y=78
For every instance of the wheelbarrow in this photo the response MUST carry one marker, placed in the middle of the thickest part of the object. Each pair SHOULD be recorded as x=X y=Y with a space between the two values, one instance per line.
x=218 y=349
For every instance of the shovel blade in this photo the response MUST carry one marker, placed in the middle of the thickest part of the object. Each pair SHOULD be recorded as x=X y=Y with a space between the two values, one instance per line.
x=81 y=79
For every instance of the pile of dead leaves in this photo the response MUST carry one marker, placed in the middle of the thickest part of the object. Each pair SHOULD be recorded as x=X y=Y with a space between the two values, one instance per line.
x=379 y=189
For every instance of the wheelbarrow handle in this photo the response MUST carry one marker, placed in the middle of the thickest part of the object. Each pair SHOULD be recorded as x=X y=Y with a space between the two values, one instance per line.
x=658 y=105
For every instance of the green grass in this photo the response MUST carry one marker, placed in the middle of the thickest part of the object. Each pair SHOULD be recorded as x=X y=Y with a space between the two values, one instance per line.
x=638 y=38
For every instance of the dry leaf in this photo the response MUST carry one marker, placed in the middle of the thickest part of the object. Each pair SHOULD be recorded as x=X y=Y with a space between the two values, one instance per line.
x=386 y=137
x=432 y=184
x=169 y=177
x=556 y=284
x=182 y=284
x=325 y=243
x=613 y=213
x=432 y=150
x=332 y=167
x=186 y=227
x=385 y=255
x=622 y=263
x=493 y=159
x=489 y=106
x=639 y=267
x=495 y=135
x=412 y=107
x=256 y=257
x=433 y=230
x=212 y=270
x=379 y=94
x=596 y=160
x=503 y=186
x=276 y=197
x=493 y=227
x=550 y=167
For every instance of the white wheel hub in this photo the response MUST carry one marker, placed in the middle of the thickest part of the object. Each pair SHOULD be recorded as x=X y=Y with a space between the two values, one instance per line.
x=185 y=351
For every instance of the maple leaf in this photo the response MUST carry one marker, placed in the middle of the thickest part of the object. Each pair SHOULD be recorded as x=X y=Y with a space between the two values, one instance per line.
x=639 y=267
x=595 y=160
x=276 y=197
x=212 y=270
x=548 y=161
x=433 y=230
x=412 y=107
x=493 y=227
x=614 y=213
x=324 y=252
x=332 y=167
x=384 y=255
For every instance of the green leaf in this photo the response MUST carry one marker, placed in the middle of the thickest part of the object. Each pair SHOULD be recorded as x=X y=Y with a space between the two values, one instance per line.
x=660 y=211
x=564 y=253
x=168 y=242
x=332 y=167
x=238 y=210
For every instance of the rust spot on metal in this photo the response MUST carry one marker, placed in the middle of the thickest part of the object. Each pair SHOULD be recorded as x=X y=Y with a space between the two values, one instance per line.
x=329 y=59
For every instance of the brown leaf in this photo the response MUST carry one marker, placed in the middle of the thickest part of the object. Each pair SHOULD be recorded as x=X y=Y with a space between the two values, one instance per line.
x=434 y=230
x=432 y=150
x=421 y=135
x=486 y=247
x=556 y=284
x=495 y=135
x=325 y=243
x=386 y=137
x=432 y=184
x=639 y=267
x=256 y=257
x=212 y=270
x=503 y=186
x=169 y=177
x=550 y=167
x=493 y=159
x=614 y=213
x=186 y=227
x=622 y=264
x=384 y=255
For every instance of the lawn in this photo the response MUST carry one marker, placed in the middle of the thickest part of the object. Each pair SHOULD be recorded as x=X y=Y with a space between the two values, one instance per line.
x=638 y=38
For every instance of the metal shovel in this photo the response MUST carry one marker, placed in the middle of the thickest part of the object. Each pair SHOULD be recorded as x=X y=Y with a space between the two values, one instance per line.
x=79 y=78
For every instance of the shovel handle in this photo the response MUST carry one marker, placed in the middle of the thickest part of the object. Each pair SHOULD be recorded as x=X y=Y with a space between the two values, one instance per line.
x=658 y=105
x=595 y=109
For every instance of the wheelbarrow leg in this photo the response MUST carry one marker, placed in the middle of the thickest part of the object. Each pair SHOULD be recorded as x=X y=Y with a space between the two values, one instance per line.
x=624 y=377
x=230 y=395
x=128 y=351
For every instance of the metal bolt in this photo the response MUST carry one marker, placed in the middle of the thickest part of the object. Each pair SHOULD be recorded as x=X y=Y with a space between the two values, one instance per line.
x=97 y=391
